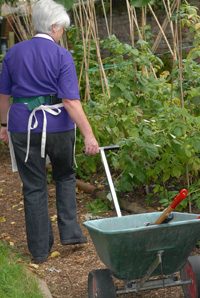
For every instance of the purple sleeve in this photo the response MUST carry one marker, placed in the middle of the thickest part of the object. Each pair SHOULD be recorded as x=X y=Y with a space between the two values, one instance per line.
x=5 y=80
x=67 y=82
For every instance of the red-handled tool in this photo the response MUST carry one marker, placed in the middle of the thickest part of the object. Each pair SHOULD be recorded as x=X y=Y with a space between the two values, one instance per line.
x=177 y=200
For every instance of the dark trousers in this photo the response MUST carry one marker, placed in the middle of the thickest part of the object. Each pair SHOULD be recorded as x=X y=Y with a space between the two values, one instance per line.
x=59 y=147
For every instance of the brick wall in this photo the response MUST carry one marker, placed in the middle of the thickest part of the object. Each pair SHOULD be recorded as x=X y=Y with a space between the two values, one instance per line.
x=121 y=28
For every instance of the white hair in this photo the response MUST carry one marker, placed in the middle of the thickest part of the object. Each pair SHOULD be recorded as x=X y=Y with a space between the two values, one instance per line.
x=47 y=13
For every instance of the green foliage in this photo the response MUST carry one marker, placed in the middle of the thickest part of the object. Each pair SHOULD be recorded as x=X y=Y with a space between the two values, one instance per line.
x=167 y=197
x=159 y=6
x=140 y=3
x=49 y=176
x=157 y=137
x=98 y=206
x=1 y=57
x=194 y=191
x=167 y=65
x=9 y=2
x=66 y=3
x=14 y=280
x=75 y=42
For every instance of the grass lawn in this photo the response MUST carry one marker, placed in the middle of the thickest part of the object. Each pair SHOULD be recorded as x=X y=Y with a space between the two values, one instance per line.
x=15 y=282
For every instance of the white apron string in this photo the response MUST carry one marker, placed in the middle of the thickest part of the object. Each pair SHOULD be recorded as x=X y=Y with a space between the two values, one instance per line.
x=12 y=152
x=45 y=109
x=75 y=147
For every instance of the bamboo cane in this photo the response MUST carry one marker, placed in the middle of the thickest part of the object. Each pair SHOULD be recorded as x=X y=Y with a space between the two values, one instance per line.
x=188 y=183
x=130 y=22
x=88 y=38
x=96 y=25
x=144 y=38
x=78 y=22
x=20 y=27
x=90 y=19
x=81 y=71
x=168 y=12
x=105 y=16
x=11 y=25
x=143 y=24
x=14 y=20
x=163 y=33
x=136 y=22
x=174 y=38
x=111 y=17
x=74 y=16
x=99 y=52
x=31 y=19
x=174 y=58
x=84 y=51
x=134 y=16
x=132 y=26
x=27 y=18
x=180 y=56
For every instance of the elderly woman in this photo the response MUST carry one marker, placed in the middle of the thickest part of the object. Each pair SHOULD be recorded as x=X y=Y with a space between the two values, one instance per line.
x=40 y=75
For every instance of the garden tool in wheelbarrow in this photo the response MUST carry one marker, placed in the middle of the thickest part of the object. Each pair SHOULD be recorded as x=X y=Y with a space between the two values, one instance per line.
x=167 y=216
x=135 y=255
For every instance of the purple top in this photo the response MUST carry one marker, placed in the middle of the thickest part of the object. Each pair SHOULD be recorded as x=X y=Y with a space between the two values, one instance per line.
x=38 y=67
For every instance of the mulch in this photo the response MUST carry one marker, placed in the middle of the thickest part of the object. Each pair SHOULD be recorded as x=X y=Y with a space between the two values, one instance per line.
x=66 y=274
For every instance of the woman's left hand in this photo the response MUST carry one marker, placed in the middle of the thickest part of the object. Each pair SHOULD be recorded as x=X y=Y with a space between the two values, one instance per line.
x=4 y=135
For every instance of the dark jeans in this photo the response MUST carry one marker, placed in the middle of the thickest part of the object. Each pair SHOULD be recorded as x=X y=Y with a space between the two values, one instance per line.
x=59 y=147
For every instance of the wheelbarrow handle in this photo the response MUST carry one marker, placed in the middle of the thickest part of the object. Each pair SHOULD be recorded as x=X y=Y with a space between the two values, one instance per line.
x=106 y=148
x=113 y=147
x=177 y=200
x=109 y=178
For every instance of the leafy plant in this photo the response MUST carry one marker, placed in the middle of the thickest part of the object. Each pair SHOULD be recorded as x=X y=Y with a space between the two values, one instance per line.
x=158 y=138
x=49 y=176
x=1 y=57
x=66 y=3
x=140 y=3
x=98 y=206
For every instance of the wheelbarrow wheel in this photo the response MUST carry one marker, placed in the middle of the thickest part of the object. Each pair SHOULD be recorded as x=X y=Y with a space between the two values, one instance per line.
x=191 y=270
x=100 y=284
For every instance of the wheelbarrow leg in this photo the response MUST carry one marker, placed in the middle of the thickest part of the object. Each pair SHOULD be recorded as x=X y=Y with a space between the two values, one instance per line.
x=151 y=269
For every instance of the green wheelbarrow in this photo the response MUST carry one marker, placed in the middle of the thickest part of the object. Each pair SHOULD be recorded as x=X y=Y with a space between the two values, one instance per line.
x=135 y=252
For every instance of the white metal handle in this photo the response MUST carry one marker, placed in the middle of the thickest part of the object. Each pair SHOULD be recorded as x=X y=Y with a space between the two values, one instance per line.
x=110 y=182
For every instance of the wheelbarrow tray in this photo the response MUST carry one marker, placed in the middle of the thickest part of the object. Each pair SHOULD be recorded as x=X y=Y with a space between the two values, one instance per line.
x=127 y=247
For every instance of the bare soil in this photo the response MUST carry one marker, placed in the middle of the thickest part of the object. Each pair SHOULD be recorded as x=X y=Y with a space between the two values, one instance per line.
x=66 y=274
